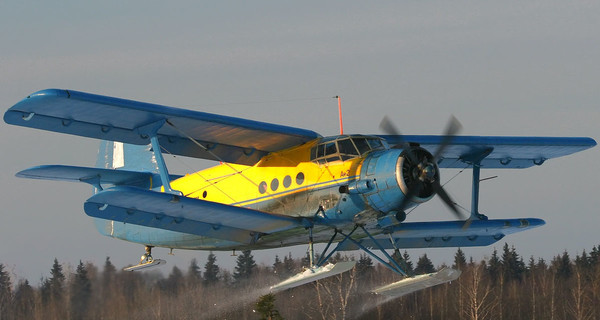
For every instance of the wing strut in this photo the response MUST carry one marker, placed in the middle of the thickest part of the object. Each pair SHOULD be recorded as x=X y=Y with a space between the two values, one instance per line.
x=475 y=159
x=151 y=130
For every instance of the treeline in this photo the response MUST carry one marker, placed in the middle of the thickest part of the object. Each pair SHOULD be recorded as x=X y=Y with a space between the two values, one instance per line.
x=505 y=286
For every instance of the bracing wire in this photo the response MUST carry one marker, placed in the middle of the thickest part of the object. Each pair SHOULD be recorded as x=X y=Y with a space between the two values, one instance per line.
x=221 y=160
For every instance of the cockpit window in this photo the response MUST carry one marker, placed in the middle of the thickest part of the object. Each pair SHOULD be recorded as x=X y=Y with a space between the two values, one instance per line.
x=362 y=145
x=330 y=148
x=347 y=147
x=344 y=148
x=375 y=144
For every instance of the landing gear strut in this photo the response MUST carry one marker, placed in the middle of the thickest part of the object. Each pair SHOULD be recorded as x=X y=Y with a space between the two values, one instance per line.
x=147 y=257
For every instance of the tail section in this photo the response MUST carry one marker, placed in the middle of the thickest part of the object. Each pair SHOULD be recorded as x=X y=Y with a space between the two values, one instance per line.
x=122 y=156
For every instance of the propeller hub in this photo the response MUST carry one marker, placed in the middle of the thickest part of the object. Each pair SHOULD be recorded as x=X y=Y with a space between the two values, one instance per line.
x=427 y=172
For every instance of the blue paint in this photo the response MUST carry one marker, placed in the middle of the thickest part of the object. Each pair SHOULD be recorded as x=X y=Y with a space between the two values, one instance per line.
x=161 y=219
x=229 y=139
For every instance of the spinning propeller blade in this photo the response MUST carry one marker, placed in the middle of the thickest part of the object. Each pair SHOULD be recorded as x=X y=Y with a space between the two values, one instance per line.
x=452 y=128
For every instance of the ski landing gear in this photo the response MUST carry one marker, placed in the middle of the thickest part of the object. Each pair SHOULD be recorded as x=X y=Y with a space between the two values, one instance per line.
x=146 y=261
x=316 y=271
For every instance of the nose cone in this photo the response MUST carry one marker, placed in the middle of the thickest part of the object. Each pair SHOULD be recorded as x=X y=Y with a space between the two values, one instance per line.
x=428 y=173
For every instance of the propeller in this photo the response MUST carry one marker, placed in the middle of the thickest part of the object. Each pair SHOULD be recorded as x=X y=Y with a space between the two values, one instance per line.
x=422 y=168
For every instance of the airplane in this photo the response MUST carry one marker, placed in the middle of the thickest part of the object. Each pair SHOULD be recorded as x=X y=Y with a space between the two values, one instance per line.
x=277 y=186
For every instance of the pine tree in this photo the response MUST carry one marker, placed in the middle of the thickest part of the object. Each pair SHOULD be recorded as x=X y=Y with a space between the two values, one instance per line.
x=460 y=261
x=266 y=307
x=408 y=265
x=109 y=271
x=45 y=291
x=173 y=283
x=24 y=300
x=512 y=265
x=81 y=291
x=289 y=265
x=595 y=255
x=193 y=274
x=364 y=264
x=5 y=293
x=494 y=266
x=278 y=267
x=245 y=266
x=211 y=269
x=424 y=265
x=109 y=278
x=583 y=262
x=562 y=265
x=57 y=281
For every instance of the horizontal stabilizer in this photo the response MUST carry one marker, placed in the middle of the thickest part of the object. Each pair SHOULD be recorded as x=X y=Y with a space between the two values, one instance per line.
x=94 y=176
x=313 y=274
x=187 y=215
x=146 y=265
x=416 y=283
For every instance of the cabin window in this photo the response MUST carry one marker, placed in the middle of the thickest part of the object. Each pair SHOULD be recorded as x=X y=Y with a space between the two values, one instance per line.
x=262 y=187
x=300 y=178
x=274 y=184
x=287 y=181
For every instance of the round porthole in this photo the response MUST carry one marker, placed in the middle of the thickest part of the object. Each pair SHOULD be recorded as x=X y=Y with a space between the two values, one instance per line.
x=274 y=184
x=287 y=181
x=300 y=178
x=204 y=194
x=262 y=187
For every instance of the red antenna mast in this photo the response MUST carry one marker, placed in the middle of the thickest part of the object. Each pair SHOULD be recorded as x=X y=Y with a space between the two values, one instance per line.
x=339 y=99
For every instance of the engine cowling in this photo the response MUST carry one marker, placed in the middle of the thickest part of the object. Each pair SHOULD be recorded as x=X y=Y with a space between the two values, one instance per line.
x=391 y=174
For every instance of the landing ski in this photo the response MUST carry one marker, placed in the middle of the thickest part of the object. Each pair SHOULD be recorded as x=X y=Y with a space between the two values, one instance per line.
x=416 y=283
x=145 y=265
x=313 y=274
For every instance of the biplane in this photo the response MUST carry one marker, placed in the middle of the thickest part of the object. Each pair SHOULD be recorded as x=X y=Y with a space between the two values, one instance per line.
x=277 y=186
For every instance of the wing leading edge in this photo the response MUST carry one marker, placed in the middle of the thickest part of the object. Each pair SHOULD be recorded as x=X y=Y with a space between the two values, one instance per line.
x=228 y=139
x=497 y=152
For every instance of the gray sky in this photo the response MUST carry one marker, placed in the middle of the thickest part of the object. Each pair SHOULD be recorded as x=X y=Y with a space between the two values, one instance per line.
x=503 y=68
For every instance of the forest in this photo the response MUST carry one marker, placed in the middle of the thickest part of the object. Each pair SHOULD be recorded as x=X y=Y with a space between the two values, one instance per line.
x=505 y=286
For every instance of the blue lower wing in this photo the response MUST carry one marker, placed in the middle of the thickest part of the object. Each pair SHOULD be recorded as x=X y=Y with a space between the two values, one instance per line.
x=187 y=215
x=442 y=234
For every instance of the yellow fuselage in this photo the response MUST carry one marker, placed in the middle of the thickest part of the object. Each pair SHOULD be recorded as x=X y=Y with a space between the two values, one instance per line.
x=282 y=182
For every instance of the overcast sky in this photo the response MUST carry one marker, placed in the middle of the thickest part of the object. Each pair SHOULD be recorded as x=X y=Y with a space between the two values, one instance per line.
x=527 y=68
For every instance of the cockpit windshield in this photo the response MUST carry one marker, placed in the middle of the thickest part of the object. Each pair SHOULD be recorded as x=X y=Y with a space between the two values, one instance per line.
x=343 y=148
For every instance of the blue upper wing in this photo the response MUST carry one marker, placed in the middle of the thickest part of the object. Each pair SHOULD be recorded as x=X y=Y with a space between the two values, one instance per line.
x=228 y=139
x=497 y=152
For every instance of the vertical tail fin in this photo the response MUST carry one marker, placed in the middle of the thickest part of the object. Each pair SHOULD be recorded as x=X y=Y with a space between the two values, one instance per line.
x=118 y=155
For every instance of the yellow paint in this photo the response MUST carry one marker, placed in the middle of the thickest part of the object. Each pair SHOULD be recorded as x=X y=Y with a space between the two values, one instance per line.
x=239 y=184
